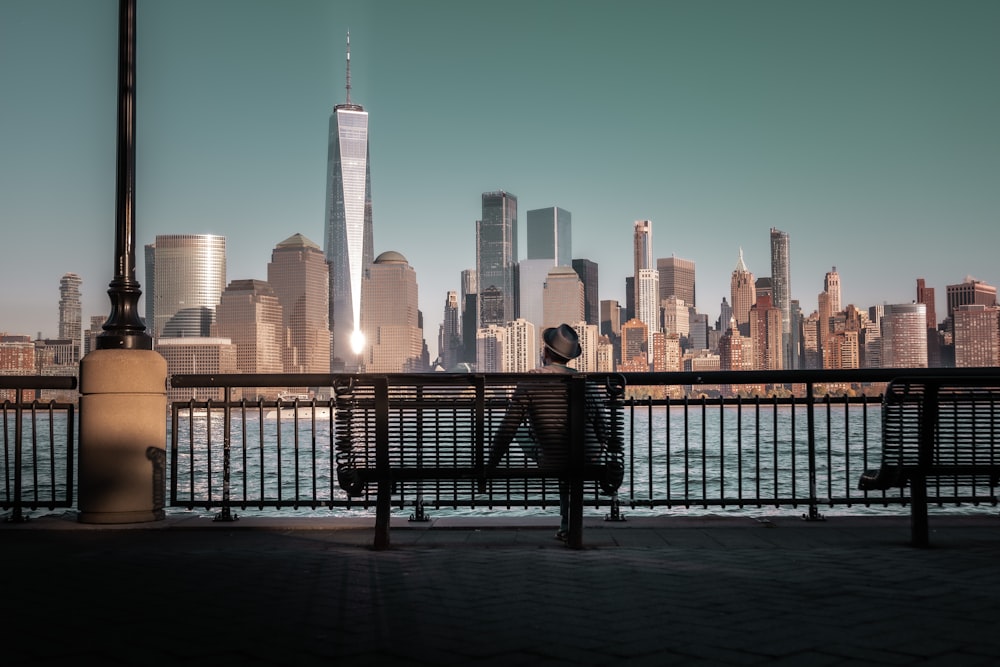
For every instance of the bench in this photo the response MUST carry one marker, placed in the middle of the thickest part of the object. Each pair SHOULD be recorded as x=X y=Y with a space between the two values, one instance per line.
x=411 y=435
x=939 y=429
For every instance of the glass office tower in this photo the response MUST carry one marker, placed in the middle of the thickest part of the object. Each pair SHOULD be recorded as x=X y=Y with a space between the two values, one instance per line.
x=349 y=245
x=496 y=258
x=185 y=275
x=781 y=294
x=550 y=235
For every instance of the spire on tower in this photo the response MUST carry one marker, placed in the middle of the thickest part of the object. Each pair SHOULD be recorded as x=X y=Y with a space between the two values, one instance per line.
x=348 y=66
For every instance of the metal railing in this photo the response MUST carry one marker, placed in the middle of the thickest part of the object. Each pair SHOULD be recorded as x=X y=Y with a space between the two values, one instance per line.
x=38 y=446
x=802 y=446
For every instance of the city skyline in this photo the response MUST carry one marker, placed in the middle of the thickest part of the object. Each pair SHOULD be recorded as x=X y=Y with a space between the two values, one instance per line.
x=863 y=131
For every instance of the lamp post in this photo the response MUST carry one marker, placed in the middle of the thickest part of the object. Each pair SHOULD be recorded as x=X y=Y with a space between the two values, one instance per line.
x=124 y=328
x=123 y=382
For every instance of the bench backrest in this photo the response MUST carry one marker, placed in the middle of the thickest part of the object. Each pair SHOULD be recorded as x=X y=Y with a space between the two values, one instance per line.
x=960 y=417
x=445 y=422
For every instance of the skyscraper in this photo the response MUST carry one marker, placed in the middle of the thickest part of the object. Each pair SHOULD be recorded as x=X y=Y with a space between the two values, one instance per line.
x=550 y=235
x=562 y=300
x=496 y=256
x=642 y=246
x=185 y=275
x=300 y=277
x=676 y=279
x=743 y=293
x=349 y=244
x=831 y=285
x=977 y=335
x=450 y=337
x=781 y=292
x=970 y=291
x=391 y=319
x=647 y=305
x=249 y=315
x=70 y=312
x=904 y=336
x=587 y=270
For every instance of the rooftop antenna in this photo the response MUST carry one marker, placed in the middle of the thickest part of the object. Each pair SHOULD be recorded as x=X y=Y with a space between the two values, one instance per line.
x=348 y=66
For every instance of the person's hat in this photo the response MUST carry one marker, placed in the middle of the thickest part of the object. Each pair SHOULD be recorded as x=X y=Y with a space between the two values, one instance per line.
x=563 y=341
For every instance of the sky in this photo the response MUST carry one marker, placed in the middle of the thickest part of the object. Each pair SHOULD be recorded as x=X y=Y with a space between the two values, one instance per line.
x=866 y=130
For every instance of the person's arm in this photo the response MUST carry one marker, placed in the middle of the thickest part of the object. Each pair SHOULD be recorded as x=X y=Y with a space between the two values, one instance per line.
x=512 y=419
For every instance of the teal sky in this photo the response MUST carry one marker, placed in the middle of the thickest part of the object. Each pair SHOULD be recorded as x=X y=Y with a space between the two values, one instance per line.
x=866 y=130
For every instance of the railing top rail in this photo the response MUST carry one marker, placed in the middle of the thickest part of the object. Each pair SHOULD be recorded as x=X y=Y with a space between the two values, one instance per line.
x=852 y=375
x=846 y=375
x=37 y=382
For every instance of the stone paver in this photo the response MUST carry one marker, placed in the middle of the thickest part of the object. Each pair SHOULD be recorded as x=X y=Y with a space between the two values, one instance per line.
x=494 y=591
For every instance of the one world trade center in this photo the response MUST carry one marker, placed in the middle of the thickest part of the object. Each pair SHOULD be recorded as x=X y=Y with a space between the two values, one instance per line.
x=348 y=231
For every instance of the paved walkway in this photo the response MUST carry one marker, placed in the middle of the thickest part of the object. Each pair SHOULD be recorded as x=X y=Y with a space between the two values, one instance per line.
x=500 y=591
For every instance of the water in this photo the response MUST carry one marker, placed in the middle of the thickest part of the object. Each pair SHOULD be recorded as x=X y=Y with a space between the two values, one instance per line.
x=709 y=459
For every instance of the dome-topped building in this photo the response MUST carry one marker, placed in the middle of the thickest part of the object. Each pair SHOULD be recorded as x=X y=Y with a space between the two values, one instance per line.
x=390 y=319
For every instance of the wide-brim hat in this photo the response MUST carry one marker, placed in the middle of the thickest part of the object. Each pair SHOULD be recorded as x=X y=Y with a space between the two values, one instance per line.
x=563 y=341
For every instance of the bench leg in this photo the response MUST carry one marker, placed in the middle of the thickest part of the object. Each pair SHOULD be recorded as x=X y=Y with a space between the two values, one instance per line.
x=383 y=505
x=575 y=538
x=919 y=528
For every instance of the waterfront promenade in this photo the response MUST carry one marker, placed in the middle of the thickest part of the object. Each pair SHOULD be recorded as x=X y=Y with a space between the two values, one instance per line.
x=705 y=590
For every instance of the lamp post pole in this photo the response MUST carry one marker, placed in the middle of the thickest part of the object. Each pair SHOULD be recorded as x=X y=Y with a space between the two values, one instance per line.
x=123 y=382
x=124 y=329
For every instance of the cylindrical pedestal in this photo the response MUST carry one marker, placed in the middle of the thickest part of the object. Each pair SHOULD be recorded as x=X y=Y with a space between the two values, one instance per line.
x=123 y=435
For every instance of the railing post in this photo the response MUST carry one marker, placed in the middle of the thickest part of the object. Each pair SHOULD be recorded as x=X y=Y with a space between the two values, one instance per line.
x=227 y=435
x=18 y=516
x=813 y=514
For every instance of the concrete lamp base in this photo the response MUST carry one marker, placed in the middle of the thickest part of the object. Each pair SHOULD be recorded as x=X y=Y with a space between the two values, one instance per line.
x=123 y=434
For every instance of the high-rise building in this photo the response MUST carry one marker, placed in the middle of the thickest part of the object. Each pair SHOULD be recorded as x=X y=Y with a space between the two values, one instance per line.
x=676 y=279
x=520 y=347
x=470 y=315
x=611 y=318
x=781 y=292
x=197 y=356
x=666 y=352
x=587 y=270
x=450 y=337
x=532 y=275
x=904 y=336
x=349 y=238
x=977 y=336
x=562 y=300
x=496 y=256
x=185 y=277
x=490 y=349
x=17 y=357
x=249 y=315
x=642 y=245
x=743 y=293
x=925 y=295
x=675 y=317
x=647 y=303
x=300 y=278
x=765 y=332
x=550 y=235
x=390 y=319
x=587 y=362
x=71 y=312
x=634 y=347
x=970 y=292
x=831 y=285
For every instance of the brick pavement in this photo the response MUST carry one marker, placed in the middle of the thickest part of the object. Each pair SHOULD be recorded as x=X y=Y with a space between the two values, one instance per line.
x=649 y=591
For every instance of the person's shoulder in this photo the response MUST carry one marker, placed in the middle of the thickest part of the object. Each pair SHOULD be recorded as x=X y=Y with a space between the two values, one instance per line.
x=553 y=368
